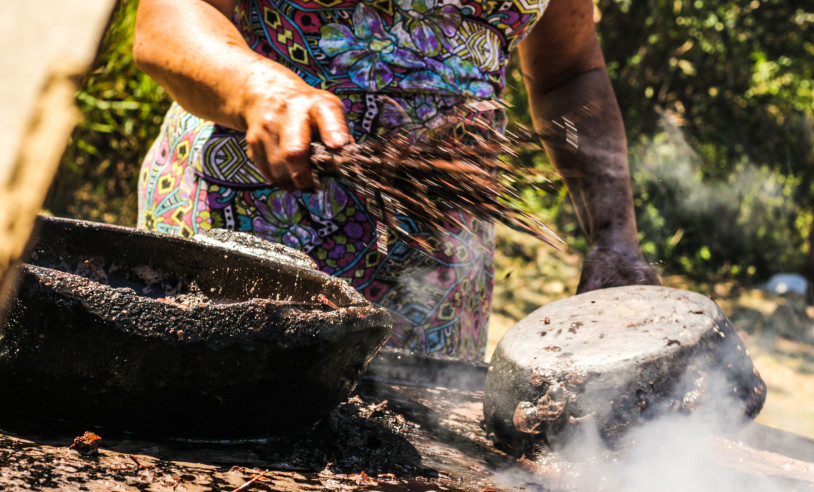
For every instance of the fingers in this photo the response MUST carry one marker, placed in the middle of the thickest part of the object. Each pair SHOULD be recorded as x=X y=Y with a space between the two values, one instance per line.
x=329 y=118
x=295 y=151
x=280 y=141
x=263 y=140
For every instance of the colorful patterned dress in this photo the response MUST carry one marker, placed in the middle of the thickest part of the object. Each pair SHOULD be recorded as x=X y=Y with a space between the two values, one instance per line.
x=408 y=66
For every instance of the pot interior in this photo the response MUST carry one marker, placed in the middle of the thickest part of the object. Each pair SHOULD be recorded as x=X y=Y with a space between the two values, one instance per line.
x=219 y=268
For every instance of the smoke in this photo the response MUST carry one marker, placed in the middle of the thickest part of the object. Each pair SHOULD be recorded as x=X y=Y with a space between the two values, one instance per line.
x=672 y=452
x=741 y=211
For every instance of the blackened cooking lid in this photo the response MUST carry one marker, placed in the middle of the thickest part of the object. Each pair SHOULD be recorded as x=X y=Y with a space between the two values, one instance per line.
x=151 y=332
x=613 y=357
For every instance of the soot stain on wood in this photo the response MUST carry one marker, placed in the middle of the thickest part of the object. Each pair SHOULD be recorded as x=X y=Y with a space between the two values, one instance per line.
x=403 y=441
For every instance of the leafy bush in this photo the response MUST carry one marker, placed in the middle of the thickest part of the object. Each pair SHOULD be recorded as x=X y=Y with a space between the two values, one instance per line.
x=718 y=99
x=746 y=225
x=122 y=110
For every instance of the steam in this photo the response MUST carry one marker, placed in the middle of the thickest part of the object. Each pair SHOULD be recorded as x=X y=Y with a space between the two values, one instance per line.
x=672 y=452
x=749 y=212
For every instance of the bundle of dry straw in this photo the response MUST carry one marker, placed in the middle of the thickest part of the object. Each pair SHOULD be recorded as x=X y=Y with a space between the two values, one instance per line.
x=427 y=181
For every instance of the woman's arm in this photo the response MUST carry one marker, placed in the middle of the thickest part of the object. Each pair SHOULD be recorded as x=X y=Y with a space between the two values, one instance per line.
x=193 y=49
x=564 y=70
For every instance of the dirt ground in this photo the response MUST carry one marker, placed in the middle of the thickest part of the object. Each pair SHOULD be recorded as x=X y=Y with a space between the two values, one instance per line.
x=778 y=330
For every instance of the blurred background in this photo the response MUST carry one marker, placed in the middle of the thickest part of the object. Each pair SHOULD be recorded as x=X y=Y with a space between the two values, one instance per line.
x=718 y=101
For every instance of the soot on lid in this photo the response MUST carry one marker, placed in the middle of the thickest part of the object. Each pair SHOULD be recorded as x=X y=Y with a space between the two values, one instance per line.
x=154 y=333
x=613 y=358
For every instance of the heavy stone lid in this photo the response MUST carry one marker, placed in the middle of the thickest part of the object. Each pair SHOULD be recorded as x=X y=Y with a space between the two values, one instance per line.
x=613 y=357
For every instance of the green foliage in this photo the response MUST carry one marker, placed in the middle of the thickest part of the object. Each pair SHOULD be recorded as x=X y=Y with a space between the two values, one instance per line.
x=736 y=78
x=718 y=98
x=122 y=111
x=738 y=74
x=718 y=101
x=745 y=225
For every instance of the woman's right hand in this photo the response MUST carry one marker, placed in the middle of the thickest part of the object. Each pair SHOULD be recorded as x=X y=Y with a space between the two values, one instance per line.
x=281 y=121
x=193 y=49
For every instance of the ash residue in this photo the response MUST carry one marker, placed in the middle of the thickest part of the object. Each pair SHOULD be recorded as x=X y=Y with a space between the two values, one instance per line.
x=366 y=443
x=91 y=268
x=143 y=280
x=194 y=297
x=359 y=435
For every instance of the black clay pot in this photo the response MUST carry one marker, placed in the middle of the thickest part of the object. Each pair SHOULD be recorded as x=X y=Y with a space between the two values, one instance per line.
x=222 y=335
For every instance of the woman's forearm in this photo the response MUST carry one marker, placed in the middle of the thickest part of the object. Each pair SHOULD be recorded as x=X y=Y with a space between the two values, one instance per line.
x=198 y=55
x=595 y=168
x=565 y=70
x=193 y=49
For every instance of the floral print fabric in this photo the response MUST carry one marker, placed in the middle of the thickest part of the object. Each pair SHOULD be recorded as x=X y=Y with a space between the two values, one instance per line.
x=454 y=50
x=412 y=67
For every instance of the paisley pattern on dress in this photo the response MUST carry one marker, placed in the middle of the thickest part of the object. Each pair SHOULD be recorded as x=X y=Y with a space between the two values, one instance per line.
x=407 y=67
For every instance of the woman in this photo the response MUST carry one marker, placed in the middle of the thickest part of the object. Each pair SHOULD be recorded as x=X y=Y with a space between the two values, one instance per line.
x=258 y=79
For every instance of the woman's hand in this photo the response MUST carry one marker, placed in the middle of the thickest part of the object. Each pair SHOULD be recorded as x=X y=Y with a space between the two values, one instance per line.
x=193 y=49
x=565 y=70
x=280 y=123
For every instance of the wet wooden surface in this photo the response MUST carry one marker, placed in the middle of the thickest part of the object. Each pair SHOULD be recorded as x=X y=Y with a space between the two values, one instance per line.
x=390 y=437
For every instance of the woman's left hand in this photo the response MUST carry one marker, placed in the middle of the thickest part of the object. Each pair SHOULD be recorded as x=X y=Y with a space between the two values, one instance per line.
x=614 y=266
x=565 y=73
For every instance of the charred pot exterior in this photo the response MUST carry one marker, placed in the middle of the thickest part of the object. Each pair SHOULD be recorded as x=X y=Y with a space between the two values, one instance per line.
x=614 y=358
x=147 y=332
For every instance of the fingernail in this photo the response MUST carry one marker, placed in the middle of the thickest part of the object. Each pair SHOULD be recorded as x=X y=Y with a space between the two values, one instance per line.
x=339 y=139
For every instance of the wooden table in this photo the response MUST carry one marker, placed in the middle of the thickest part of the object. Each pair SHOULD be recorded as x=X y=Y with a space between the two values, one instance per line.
x=388 y=436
